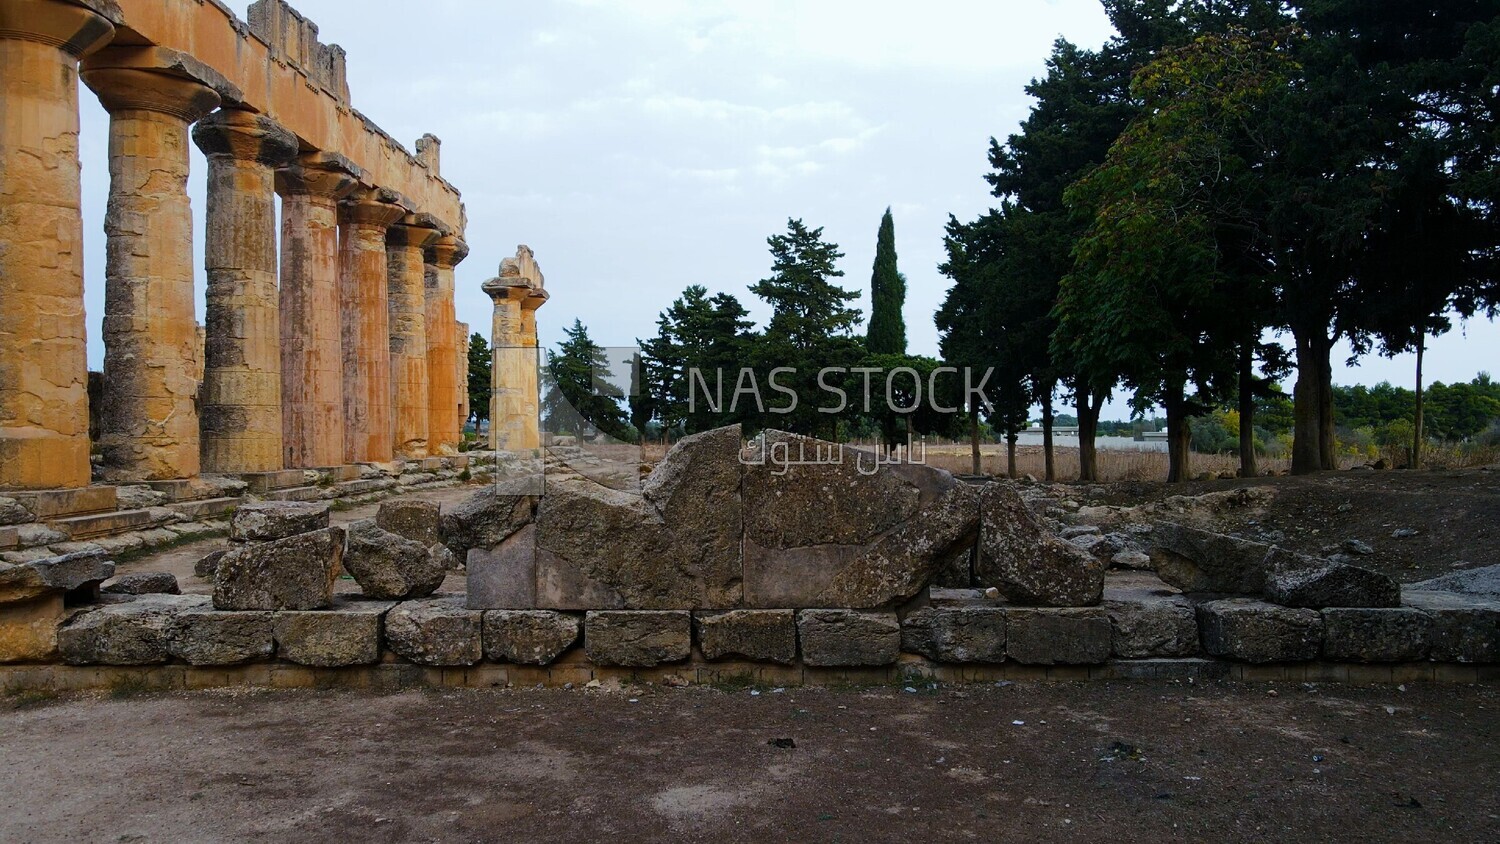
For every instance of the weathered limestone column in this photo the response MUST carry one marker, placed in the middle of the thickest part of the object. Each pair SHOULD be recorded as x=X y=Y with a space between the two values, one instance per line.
x=241 y=399
x=149 y=414
x=461 y=372
x=366 y=319
x=312 y=363
x=44 y=415
x=530 y=398
x=444 y=429
x=507 y=374
x=405 y=273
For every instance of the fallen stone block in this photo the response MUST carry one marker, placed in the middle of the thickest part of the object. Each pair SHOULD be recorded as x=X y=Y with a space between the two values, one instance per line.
x=1196 y=560
x=347 y=633
x=1464 y=628
x=490 y=515
x=757 y=635
x=1057 y=636
x=529 y=637
x=1297 y=580
x=1399 y=634
x=1145 y=623
x=79 y=573
x=955 y=634
x=838 y=637
x=1255 y=631
x=206 y=636
x=389 y=566
x=144 y=583
x=414 y=519
x=294 y=573
x=504 y=576
x=265 y=520
x=134 y=632
x=442 y=557
x=28 y=629
x=1029 y=565
x=435 y=631
x=637 y=638
x=208 y=564
x=1483 y=582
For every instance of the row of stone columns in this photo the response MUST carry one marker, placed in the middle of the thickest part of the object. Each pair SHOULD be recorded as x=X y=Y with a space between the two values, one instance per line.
x=351 y=357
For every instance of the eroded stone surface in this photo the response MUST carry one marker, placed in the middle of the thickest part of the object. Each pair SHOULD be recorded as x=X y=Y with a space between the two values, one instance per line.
x=529 y=637
x=637 y=638
x=489 y=516
x=347 y=633
x=1151 y=623
x=1196 y=560
x=1255 y=631
x=262 y=520
x=206 y=636
x=1027 y=564
x=1058 y=636
x=1464 y=628
x=295 y=573
x=388 y=566
x=144 y=583
x=134 y=632
x=1296 y=580
x=435 y=631
x=81 y=570
x=841 y=637
x=955 y=634
x=504 y=576
x=761 y=635
x=28 y=629
x=412 y=518
x=1397 y=634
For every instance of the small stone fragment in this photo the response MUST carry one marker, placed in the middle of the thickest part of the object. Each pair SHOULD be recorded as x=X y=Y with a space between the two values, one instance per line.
x=144 y=583
x=389 y=566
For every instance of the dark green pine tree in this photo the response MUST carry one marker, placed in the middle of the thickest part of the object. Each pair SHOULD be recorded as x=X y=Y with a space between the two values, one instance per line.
x=581 y=389
x=887 y=332
x=481 y=363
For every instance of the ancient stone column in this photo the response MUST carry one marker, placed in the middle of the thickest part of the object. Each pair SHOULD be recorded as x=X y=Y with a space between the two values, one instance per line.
x=530 y=398
x=44 y=415
x=149 y=414
x=405 y=242
x=241 y=398
x=461 y=372
x=444 y=428
x=312 y=363
x=365 y=314
x=507 y=374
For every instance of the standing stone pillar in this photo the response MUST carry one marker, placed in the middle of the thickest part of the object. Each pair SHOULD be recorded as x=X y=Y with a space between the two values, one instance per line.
x=366 y=319
x=405 y=276
x=312 y=363
x=444 y=430
x=149 y=414
x=241 y=399
x=461 y=372
x=44 y=414
x=530 y=398
x=507 y=381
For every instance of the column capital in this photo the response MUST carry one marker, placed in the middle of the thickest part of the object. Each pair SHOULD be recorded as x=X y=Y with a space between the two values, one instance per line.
x=78 y=27
x=447 y=251
x=534 y=300
x=244 y=136
x=156 y=79
x=503 y=289
x=375 y=208
x=415 y=230
x=319 y=174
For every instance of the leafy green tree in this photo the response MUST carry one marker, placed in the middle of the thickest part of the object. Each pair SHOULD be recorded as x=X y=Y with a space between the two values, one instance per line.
x=887 y=331
x=481 y=365
x=700 y=340
x=581 y=390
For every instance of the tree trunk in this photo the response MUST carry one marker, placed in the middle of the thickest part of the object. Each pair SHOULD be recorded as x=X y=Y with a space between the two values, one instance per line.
x=1248 y=469
x=1178 y=434
x=1051 y=469
x=974 y=441
x=1010 y=455
x=1089 y=406
x=1416 y=440
x=1307 y=403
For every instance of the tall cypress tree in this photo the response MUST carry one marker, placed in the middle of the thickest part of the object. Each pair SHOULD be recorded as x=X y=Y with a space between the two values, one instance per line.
x=887 y=334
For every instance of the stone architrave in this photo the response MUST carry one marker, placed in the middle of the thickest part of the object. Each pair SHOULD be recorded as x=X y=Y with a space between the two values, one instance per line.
x=241 y=398
x=149 y=415
x=44 y=416
x=365 y=322
x=406 y=299
x=444 y=427
x=312 y=394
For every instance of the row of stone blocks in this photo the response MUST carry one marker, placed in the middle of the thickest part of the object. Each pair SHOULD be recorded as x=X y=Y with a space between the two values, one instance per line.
x=440 y=631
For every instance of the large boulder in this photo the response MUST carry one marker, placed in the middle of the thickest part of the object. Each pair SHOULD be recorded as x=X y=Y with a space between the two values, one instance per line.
x=412 y=518
x=1149 y=622
x=1255 y=631
x=839 y=530
x=1029 y=565
x=435 y=631
x=78 y=572
x=1195 y=560
x=637 y=638
x=955 y=634
x=529 y=637
x=264 y=520
x=347 y=633
x=1297 y=580
x=839 y=637
x=389 y=566
x=206 y=636
x=756 y=635
x=133 y=632
x=489 y=515
x=294 y=573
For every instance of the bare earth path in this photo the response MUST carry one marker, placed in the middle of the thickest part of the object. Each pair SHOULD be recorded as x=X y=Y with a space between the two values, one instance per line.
x=1117 y=762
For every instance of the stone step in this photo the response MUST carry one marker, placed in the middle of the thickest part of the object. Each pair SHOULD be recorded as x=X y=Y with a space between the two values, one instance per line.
x=347 y=472
x=206 y=508
x=175 y=490
x=47 y=504
x=364 y=485
x=266 y=481
x=296 y=493
x=103 y=524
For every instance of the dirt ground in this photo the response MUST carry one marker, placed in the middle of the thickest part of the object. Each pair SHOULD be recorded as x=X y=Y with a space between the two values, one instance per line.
x=1118 y=762
x=1456 y=515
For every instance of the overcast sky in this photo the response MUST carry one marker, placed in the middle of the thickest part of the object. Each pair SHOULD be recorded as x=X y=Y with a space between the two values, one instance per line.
x=639 y=147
